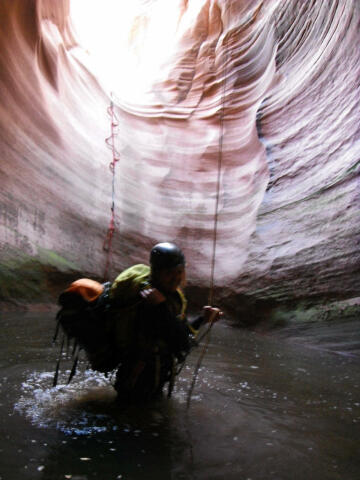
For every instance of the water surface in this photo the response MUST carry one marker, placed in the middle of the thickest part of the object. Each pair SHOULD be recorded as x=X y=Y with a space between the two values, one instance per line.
x=282 y=407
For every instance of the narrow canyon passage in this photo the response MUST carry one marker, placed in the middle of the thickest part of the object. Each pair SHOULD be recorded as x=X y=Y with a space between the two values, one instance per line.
x=124 y=124
x=282 y=76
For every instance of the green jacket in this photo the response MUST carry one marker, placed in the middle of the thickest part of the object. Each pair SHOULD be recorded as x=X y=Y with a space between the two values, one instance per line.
x=125 y=300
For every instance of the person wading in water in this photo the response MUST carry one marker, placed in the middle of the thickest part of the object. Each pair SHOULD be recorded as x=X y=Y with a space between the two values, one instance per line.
x=137 y=325
x=163 y=336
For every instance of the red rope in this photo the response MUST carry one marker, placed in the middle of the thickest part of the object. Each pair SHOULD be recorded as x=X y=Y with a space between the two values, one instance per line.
x=110 y=142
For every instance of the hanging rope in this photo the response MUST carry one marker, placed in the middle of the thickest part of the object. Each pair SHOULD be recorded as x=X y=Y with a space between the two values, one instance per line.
x=110 y=142
x=213 y=257
x=218 y=182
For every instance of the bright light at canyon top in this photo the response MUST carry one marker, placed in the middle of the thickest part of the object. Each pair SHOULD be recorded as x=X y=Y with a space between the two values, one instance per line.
x=128 y=43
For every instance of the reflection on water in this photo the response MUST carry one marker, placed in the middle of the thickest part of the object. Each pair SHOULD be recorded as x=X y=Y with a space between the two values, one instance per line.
x=263 y=408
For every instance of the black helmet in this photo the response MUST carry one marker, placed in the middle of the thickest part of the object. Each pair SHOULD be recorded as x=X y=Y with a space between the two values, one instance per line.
x=166 y=255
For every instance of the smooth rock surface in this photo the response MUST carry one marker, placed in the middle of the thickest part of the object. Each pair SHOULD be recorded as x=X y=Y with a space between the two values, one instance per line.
x=267 y=91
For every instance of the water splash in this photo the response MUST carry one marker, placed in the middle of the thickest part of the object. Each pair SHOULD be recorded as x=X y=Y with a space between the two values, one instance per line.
x=80 y=408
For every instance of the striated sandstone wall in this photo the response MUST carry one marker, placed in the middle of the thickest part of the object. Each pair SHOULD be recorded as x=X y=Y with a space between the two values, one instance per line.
x=54 y=191
x=306 y=244
x=271 y=86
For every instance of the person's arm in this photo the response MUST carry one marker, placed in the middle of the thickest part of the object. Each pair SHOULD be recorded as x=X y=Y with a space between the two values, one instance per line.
x=210 y=314
x=174 y=331
x=165 y=325
x=197 y=322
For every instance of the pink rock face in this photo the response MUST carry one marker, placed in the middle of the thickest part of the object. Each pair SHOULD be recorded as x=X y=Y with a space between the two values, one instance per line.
x=256 y=99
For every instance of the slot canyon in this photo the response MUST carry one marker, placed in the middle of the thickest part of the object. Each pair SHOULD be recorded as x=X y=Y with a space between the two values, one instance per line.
x=262 y=94
x=230 y=128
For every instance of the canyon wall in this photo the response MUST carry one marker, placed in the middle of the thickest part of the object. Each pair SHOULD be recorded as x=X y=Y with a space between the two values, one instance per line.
x=244 y=113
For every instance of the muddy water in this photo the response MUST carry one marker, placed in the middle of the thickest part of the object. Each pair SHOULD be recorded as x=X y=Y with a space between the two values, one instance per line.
x=264 y=407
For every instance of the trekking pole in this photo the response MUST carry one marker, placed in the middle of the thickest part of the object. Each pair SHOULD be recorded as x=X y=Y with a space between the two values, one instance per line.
x=202 y=354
